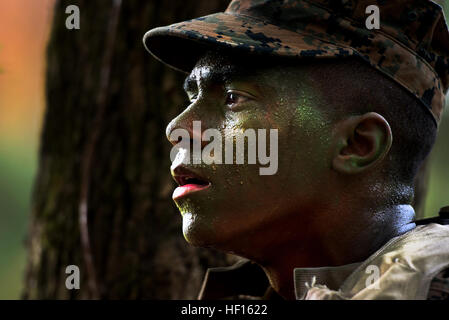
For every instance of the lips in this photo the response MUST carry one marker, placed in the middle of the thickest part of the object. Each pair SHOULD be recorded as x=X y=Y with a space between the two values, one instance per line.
x=188 y=181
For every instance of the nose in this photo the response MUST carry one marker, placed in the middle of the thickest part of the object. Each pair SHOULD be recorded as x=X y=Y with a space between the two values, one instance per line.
x=182 y=126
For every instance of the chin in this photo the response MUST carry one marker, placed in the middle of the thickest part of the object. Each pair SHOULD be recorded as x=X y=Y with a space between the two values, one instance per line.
x=197 y=231
x=200 y=232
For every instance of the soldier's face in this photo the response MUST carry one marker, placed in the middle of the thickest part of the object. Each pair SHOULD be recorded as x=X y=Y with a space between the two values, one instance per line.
x=224 y=203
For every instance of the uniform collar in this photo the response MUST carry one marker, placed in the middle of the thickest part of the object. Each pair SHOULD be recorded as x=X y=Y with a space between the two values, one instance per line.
x=331 y=277
x=246 y=279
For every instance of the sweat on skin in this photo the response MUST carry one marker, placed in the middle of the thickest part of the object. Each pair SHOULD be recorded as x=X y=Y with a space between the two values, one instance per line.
x=213 y=152
x=259 y=200
x=307 y=213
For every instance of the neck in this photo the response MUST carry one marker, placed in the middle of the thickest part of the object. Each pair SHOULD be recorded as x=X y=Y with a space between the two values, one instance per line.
x=333 y=243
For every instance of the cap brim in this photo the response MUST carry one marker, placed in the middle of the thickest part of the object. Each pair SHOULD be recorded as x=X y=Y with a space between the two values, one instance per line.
x=181 y=45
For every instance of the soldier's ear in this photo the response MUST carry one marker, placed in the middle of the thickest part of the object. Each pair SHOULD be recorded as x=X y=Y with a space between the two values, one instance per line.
x=361 y=142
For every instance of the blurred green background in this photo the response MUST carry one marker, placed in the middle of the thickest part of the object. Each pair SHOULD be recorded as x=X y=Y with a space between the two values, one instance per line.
x=24 y=27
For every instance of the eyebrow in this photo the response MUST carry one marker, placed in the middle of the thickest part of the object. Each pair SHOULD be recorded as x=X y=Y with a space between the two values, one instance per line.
x=222 y=75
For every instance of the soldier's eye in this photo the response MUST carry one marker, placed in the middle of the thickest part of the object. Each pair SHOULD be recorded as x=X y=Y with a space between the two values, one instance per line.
x=231 y=98
x=236 y=98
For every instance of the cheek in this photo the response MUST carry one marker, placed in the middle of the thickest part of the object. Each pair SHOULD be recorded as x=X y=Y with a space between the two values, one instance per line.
x=304 y=145
x=301 y=157
x=306 y=159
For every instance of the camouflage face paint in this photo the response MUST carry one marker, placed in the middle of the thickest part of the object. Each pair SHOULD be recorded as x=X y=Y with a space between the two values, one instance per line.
x=240 y=202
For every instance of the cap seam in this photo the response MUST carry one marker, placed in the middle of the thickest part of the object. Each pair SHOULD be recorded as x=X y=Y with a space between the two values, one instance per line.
x=426 y=106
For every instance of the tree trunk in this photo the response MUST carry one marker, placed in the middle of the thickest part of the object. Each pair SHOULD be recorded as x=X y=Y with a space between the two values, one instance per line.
x=104 y=157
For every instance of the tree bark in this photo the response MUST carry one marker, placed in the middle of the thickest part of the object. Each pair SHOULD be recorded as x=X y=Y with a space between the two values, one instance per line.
x=104 y=157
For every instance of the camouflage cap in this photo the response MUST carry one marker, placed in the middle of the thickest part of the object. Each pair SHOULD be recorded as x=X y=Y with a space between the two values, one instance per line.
x=411 y=46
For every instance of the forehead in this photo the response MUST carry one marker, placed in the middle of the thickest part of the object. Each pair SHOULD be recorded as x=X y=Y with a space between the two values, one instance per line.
x=212 y=72
x=219 y=69
x=222 y=68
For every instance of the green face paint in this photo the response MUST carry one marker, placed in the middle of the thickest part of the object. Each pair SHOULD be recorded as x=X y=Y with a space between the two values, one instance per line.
x=239 y=201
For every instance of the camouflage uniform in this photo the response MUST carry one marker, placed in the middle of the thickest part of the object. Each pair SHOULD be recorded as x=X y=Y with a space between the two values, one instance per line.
x=411 y=266
x=247 y=281
x=411 y=47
